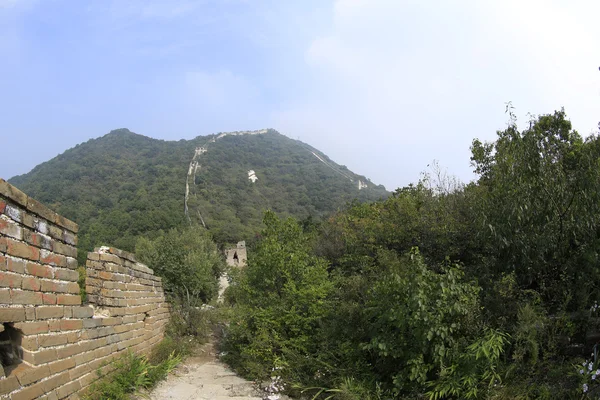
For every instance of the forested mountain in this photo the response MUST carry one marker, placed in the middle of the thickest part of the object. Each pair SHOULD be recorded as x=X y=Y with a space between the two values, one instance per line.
x=124 y=185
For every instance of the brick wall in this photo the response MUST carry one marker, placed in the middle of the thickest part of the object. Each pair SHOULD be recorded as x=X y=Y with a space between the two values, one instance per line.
x=56 y=344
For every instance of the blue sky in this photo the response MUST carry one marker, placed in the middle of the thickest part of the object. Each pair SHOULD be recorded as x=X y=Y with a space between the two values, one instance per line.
x=382 y=86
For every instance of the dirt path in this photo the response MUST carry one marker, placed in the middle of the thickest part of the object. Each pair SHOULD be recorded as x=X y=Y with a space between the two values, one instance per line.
x=204 y=377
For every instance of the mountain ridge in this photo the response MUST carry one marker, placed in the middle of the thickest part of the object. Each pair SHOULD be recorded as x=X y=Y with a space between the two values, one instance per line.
x=123 y=184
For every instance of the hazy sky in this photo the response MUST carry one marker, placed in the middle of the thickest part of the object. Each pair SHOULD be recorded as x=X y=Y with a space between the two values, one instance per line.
x=381 y=86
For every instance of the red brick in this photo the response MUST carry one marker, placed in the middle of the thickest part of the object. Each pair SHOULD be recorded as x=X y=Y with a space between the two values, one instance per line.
x=47 y=257
x=68 y=299
x=31 y=283
x=8 y=279
x=2 y=206
x=37 y=240
x=53 y=286
x=43 y=271
x=48 y=298
x=19 y=249
x=71 y=324
x=9 y=228
x=3 y=244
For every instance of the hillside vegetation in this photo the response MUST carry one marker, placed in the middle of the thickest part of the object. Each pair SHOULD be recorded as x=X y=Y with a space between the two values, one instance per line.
x=443 y=291
x=124 y=185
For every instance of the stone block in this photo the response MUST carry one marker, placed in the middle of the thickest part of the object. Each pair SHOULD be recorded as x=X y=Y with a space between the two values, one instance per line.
x=8 y=384
x=16 y=265
x=28 y=375
x=48 y=257
x=64 y=249
x=9 y=279
x=31 y=283
x=9 y=191
x=33 y=327
x=26 y=297
x=48 y=298
x=66 y=274
x=72 y=263
x=71 y=324
x=39 y=270
x=22 y=250
x=62 y=365
x=52 y=339
x=68 y=299
x=37 y=239
x=49 y=312
x=15 y=213
x=12 y=314
x=10 y=228
x=39 y=357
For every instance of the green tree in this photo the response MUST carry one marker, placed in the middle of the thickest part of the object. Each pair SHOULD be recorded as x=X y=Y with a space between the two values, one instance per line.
x=189 y=262
x=540 y=208
x=279 y=301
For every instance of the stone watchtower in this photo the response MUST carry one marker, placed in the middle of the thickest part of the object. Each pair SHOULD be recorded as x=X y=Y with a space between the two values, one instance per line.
x=237 y=256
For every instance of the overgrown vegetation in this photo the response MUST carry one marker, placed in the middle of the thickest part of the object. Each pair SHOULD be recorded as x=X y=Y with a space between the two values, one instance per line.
x=442 y=291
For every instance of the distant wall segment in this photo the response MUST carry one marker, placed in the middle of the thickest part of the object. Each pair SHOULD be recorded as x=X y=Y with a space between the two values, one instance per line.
x=51 y=345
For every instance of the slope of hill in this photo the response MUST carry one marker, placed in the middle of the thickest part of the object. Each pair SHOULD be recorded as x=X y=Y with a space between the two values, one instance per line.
x=122 y=185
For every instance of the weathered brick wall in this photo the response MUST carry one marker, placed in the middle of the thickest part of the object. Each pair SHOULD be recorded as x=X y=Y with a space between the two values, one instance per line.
x=56 y=344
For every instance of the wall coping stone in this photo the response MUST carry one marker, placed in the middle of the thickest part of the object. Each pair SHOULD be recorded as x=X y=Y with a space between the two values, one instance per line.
x=11 y=192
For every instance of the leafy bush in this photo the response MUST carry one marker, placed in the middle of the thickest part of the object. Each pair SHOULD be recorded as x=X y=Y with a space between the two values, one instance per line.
x=189 y=262
x=131 y=373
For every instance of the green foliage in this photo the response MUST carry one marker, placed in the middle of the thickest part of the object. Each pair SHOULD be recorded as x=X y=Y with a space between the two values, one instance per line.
x=540 y=192
x=131 y=374
x=188 y=261
x=81 y=283
x=419 y=319
x=279 y=301
x=474 y=371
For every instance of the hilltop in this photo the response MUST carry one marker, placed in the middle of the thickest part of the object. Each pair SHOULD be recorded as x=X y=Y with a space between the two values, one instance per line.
x=123 y=185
